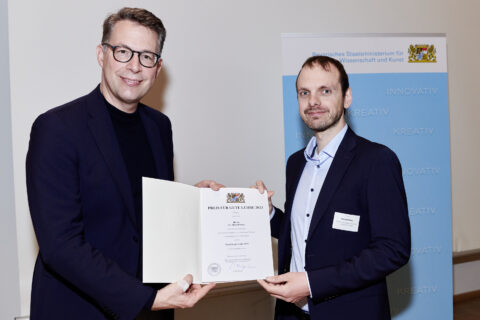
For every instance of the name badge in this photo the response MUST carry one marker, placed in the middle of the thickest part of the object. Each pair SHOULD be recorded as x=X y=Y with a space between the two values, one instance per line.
x=346 y=222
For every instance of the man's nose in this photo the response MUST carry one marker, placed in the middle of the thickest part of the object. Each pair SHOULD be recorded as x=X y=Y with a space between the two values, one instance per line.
x=134 y=63
x=314 y=100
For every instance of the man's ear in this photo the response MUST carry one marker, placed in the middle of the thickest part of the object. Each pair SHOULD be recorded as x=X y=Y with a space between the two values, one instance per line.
x=100 y=55
x=347 y=101
x=159 y=67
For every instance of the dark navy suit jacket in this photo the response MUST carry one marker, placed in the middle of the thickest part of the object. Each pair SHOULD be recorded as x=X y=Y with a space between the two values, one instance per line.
x=82 y=210
x=347 y=269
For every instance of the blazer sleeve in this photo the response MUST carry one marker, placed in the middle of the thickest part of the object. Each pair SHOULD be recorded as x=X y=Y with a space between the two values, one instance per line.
x=56 y=210
x=389 y=246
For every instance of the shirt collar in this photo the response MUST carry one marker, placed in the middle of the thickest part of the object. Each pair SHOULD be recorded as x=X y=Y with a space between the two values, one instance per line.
x=328 y=151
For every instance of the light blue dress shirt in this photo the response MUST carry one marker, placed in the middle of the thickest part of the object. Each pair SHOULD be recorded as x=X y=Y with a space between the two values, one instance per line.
x=306 y=195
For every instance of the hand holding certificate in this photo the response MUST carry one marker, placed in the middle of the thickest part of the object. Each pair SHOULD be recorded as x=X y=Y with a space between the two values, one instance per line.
x=217 y=236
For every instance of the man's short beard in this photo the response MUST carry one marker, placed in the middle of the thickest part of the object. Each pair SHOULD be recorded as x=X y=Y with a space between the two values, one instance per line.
x=326 y=125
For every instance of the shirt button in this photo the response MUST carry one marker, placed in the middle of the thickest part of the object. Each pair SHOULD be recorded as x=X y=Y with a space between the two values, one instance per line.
x=305 y=240
x=311 y=189
x=318 y=166
x=308 y=214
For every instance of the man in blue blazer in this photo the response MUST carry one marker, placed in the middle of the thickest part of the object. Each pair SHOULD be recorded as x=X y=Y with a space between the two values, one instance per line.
x=84 y=167
x=345 y=226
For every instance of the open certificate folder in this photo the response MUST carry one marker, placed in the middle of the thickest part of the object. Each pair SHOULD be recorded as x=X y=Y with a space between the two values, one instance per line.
x=217 y=236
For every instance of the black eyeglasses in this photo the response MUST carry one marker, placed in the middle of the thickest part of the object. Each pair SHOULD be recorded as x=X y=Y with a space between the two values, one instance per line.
x=124 y=54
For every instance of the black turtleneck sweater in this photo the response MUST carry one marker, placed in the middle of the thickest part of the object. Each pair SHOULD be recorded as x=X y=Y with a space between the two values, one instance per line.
x=138 y=157
x=136 y=152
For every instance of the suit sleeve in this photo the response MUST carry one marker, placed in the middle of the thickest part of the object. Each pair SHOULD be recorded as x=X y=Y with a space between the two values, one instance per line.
x=389 y=247
x=56 y=210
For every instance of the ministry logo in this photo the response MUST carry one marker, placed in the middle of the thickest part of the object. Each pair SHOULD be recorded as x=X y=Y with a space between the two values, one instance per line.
x=235 y=198
x=422 y=53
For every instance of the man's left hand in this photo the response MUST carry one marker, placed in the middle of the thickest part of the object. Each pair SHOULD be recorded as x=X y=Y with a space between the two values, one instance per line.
x=209 y=184
x=290 y=287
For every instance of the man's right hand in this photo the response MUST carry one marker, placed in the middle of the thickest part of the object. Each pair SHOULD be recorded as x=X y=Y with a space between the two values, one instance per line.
x=173 y=296
x=262 y=188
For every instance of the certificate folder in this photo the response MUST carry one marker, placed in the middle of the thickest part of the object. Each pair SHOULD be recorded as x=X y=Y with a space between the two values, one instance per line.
x=217 y=236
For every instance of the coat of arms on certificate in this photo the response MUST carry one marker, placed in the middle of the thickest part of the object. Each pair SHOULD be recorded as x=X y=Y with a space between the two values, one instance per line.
x=235 y=198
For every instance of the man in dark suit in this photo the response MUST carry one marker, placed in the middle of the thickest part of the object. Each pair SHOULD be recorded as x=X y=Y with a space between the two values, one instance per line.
x=345 y=226
x=84 y=167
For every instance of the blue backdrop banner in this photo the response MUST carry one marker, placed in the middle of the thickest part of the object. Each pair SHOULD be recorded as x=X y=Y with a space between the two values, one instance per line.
x=400 y=99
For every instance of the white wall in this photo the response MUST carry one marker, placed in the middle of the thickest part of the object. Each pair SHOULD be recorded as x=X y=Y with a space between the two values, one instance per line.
x=465 y=277
x=463 y=70
x=223 y=83
x=9 y=294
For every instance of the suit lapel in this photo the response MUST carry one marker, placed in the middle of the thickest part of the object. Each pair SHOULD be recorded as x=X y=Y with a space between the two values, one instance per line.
x=294 y=172
x=102 y=130
x=341 y=161
x=158 y=149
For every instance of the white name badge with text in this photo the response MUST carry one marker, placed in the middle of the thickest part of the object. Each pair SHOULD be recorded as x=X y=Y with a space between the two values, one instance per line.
x=346 y=222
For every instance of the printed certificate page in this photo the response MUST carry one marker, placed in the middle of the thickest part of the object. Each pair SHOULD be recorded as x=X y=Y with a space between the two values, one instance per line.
x=217 y=236
x=235 y=235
